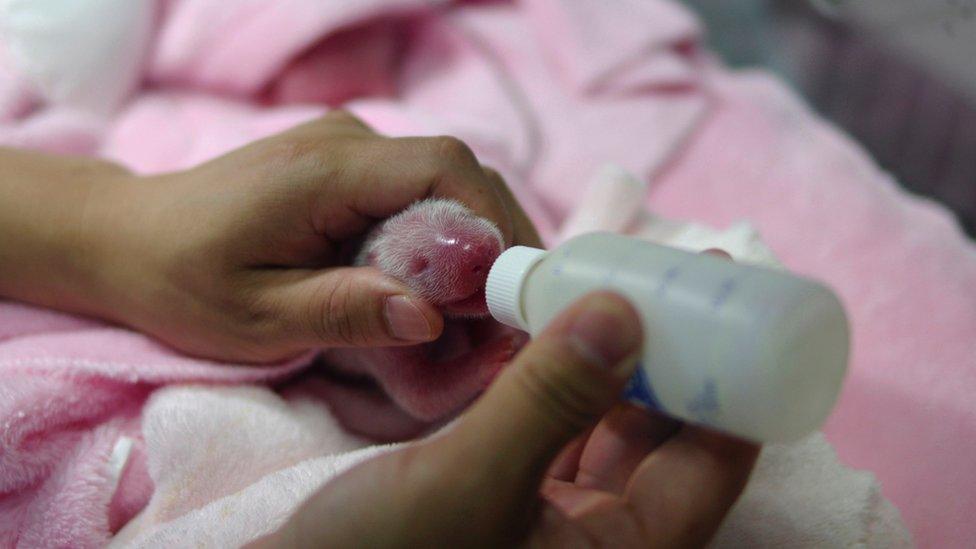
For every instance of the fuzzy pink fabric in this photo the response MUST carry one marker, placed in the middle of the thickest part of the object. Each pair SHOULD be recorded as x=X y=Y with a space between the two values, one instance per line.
x=901 y=265
x=69 y=389
x=546 y=91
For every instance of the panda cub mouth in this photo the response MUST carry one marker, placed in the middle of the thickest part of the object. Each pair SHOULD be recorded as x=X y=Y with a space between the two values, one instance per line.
x=472 y=306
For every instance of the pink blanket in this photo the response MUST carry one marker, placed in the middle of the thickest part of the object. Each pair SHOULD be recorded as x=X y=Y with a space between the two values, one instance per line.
x=545 y=91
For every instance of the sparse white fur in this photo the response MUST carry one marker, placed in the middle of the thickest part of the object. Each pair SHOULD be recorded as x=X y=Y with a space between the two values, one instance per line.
x=391 y=246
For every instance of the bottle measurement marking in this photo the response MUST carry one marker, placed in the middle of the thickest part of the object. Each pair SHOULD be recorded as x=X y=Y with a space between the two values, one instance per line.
x=705 y=406
x=725 y=290
x=669 y=276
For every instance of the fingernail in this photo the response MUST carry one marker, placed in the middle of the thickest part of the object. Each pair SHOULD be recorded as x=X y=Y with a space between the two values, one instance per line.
x=605 y=339
x=405 y=319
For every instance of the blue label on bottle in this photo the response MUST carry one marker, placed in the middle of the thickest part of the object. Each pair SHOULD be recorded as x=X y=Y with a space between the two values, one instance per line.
x=705 y=406
x=639 y=390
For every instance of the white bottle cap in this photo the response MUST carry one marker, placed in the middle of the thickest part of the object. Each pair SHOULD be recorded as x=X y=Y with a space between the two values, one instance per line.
x=503 y=291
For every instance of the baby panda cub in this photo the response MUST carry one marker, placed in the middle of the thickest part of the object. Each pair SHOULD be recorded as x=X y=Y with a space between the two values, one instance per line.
x=442 y=252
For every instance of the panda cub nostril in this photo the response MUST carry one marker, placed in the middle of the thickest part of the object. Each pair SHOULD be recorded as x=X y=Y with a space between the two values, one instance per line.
x=441 y=250
x=418 y=265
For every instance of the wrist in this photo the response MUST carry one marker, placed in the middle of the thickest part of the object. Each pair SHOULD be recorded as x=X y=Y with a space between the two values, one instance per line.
x=97 y=246
x=126 y=247
x=48 y=208
x=130 y=256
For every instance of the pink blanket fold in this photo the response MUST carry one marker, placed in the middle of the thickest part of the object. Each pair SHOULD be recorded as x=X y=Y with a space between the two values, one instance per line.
x=70 y=390
x=546 y=91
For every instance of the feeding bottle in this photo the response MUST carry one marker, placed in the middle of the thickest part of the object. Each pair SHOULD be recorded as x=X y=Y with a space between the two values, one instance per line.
x=752 y=351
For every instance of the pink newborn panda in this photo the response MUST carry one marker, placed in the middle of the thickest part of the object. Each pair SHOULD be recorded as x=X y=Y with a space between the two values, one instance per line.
x=443 y=253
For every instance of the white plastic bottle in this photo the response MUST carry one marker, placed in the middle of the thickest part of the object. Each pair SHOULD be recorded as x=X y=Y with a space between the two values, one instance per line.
x=751 y=351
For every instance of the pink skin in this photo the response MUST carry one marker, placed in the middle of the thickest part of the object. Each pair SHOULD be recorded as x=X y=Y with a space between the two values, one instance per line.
x=359 y=405
x=442 y=252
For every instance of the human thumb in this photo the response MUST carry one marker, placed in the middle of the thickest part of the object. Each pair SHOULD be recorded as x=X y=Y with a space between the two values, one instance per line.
x=559 y=385
x=352 y=307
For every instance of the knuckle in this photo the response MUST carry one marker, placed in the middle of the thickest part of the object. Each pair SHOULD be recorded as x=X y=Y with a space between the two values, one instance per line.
x=294 y=151
x=252 y=316
x=493 y=175
x=346 y=120
x=452 y=150
x=330 y=315
x=253 y=319
x=501 y=186
x=496 y=181
x=340 y=115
